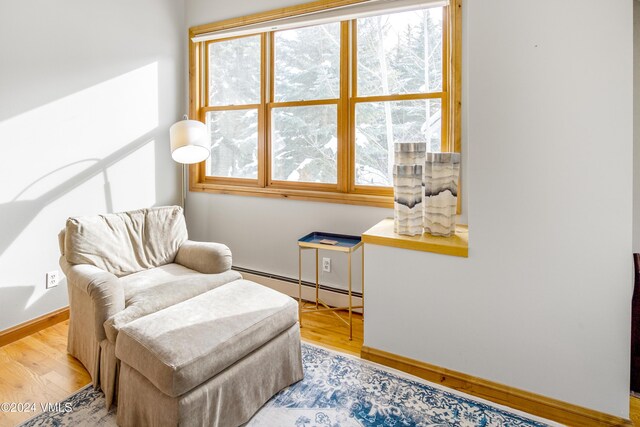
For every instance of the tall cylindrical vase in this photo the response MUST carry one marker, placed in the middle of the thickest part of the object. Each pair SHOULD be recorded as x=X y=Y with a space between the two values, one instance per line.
x=407 y=187
x=440 y=203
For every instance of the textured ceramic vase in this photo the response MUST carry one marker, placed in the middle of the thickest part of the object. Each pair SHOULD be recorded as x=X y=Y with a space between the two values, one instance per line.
x=440 y=202
x=409 y=153
x=407 y=188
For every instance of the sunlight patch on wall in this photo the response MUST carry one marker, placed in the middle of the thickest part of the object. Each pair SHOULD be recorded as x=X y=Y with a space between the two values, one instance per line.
x=49 y=145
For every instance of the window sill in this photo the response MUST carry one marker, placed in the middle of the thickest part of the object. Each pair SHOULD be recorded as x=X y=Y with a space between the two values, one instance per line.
x=382 y=234
x=309 y=195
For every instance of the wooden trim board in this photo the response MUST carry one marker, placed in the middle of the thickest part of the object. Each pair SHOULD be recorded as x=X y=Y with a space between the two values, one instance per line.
x=542 y=406
x=32 y=326
x=382 y=234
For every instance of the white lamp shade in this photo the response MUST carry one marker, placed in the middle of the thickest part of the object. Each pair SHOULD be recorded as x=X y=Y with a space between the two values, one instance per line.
x=189 y=142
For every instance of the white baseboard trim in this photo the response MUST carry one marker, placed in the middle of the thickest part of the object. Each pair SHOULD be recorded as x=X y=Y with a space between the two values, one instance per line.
x=333 y=299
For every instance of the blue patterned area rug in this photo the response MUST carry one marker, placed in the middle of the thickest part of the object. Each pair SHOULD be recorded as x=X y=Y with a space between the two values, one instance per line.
x=337 y=391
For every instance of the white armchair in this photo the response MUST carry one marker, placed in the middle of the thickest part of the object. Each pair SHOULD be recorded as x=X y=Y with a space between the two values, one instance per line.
x=121 y=267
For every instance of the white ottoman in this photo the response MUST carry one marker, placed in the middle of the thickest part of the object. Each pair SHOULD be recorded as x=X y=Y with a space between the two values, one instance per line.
x=213 y=360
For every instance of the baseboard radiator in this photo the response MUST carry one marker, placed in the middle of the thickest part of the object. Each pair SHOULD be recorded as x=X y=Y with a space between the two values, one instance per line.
x=334 y=297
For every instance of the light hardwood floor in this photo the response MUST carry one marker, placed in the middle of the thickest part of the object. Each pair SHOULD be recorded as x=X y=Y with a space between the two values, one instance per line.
x=634 y=411
x=38 y=369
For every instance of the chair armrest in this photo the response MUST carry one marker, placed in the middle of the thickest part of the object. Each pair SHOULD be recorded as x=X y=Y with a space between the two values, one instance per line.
x=204 y=257
x=104 y=289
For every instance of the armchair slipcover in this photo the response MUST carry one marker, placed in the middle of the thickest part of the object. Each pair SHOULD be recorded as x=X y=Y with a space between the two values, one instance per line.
x=121 y=267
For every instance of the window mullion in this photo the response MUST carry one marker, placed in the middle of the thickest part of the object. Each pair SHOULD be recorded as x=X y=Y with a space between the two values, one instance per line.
x=269 y=63
x=352 y=93
x=446 y=55
x=343 y=130
x=263 y=125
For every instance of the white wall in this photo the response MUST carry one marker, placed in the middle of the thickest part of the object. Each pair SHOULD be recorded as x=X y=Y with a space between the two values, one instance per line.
x=263 y=233
x=200 y=12
x=543 y=301
x=87 y=92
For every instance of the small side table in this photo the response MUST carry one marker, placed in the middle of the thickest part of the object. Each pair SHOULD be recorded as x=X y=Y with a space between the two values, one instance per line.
x=331 y=242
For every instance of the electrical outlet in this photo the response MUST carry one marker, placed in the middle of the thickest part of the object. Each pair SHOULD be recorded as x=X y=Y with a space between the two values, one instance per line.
x=326 y=265
x=52 y=279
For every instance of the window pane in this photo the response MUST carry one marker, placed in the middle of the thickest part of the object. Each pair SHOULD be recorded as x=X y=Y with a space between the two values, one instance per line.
x=400 y=53
x=234 y=143
x=304 y=144
x=380 y=124
x=307 y=63
x=234 y=71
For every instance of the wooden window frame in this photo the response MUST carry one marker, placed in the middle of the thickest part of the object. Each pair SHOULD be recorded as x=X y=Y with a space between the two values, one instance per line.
x=259 y=181
x=290 y=185
x=345 y=190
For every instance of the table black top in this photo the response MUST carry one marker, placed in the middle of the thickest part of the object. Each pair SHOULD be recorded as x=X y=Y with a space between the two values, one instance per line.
x=343 y=240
